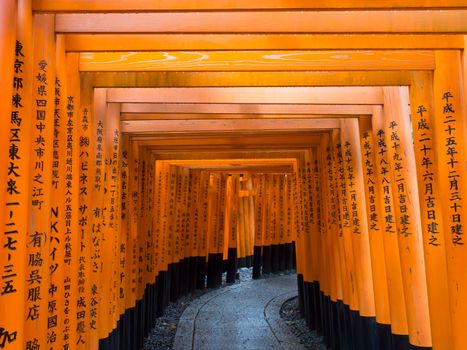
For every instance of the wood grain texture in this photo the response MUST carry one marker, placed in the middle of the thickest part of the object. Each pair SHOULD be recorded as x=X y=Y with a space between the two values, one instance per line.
x=169 y=5
x=242 y=109
x=291 y=95
x=205 y=42
x=256 y=61
x=393 y=21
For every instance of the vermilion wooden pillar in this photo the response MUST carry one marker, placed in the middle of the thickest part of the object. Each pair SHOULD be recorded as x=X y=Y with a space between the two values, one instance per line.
x=450 y=126
x=375 y=217
x=399 y=328
x=407 y=211
x=431 y=208
x=14 y=173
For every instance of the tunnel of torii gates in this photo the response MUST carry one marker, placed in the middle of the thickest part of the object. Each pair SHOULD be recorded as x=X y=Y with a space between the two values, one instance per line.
x=148 y=146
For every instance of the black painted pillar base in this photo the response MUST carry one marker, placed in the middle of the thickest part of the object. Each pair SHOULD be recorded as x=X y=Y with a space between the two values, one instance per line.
x=231 y=265
x=175 y=281
x=282 y=257
x=289 y=256
x=266 y=260
x=294 y=256
x=301 y=297
x=219 y=269
x=275 y=258
x=256 y=262
x=201 y=273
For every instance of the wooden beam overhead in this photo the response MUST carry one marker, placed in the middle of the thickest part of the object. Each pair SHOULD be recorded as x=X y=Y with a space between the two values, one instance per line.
x=162 y=154
x=193 y=126
x=130 y=117
x=242 y=109
x=187 y=5
x=269 y=95
x=208 y=42
x=224 y=79
x=215 y=143
x=257 y=61
x=392 y=21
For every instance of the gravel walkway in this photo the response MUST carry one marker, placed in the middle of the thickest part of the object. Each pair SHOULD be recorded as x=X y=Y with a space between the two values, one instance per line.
x=163 y=334
x=291 y=315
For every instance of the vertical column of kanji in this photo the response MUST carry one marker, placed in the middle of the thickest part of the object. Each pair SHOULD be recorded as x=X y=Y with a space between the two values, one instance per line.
x=318 y=173
x=150 y=247
x=289 y=221
x=403 y=167
x=113 y=206
x=359 y=226
x=148 y=219
x=231 y=206
x=241 y=223
x=274 y=224
x=190 y=234
x=212 y=226
x=55 y=306
x=72 y=242
x=176 y=234
x=156 y=221
x=391 y=246
x=281 y=234
x=251 y=219
x=187 y=235
x=219 y=226
x=69 y=237
x=171 y=217
x=266 y=258
x=259 y=212
x=8 y=52
x=343 y=304
x=308 y=221
x=375 y=218
x=106 y=266
x=333 y=250
x=164 y=261
x=299 y=244
x=450 y=125
x=15 y=174
x=98 y=316
x=203 y=229
x=433 y=230
x=86 y=176
x=221 y=222
x=316 y=164
x=40 y=182
x=184 y=240
x=246 y=220
x=344 y=240
x=133 y=238
x=194 y=191
x=143 y=258
x=126 y=302
x=331 y=224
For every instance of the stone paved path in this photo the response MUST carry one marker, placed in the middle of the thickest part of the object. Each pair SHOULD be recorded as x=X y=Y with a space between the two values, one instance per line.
x=242 y=316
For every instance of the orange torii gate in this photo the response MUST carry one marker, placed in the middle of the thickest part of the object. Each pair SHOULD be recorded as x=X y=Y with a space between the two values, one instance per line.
x=101 y=227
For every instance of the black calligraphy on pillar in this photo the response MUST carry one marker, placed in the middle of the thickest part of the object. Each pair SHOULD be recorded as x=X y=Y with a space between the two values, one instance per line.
x=426 y=164
x=83 y=221
x=96 y=228
x=332 y=190
x=348 y=161
x=389 y=220
x=345 y=222
x=397 y=164
x=368 y=158
x=453 y=163
x=9 y=277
